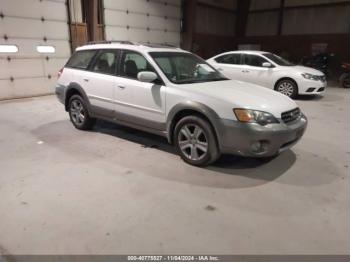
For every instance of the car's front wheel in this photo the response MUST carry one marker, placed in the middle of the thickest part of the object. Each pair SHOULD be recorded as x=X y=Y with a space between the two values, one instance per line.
x=79 y=114
x=287 y=87
x=195 y=141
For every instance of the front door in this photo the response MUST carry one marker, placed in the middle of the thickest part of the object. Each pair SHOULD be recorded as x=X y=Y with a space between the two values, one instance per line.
x=135 y=101
x=254 y=72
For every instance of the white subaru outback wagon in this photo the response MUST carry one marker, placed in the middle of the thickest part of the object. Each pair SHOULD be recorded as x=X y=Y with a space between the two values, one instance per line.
x=176 y=94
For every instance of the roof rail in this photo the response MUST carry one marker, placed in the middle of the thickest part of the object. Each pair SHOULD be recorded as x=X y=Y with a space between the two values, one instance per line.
x=110 y=42
x=148 y=44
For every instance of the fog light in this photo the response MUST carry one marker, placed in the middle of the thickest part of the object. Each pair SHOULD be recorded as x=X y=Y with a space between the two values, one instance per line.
x=310 y=89
x=259 y=146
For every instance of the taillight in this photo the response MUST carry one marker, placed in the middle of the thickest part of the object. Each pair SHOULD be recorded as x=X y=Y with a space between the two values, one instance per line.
x=60 y=72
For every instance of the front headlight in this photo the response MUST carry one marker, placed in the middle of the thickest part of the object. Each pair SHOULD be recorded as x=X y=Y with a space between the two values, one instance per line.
x=309 y=76
x=254 y=116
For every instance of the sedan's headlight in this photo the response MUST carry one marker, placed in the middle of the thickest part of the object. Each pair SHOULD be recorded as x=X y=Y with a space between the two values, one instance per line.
x=254 y=116
x=310 y=76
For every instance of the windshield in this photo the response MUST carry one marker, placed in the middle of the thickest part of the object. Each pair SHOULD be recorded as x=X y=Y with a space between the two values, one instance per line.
x=185 y=68
x=278 y=60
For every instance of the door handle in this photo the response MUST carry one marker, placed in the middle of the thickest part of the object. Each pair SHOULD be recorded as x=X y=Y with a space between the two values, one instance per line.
x=86 y=80
x=220 y=69
x=245 y=71
x=121 y=86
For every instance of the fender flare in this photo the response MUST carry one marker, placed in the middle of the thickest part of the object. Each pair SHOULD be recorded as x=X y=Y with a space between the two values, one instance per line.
x=75 y=86
x=194 y=106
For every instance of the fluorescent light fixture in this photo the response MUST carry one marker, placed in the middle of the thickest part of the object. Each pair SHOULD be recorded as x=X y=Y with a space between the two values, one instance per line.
x=45 y=49
x=8 y=49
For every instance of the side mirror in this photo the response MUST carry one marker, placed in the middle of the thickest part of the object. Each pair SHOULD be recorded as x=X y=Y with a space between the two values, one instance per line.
x=147 y=76
x=267 y=65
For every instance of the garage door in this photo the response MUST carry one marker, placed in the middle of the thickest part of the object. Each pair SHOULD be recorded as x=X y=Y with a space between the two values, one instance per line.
x=34 y=45
x=150 y=21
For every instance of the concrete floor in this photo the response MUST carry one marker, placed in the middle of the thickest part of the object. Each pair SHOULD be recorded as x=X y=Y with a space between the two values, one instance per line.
x=119 y=191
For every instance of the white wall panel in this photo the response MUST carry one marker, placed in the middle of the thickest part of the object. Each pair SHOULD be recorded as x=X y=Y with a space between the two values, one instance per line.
x=143 y=21
x=27 y=24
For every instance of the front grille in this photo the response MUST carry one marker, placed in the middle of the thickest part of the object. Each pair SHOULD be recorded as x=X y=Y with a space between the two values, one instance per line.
x=291 y=115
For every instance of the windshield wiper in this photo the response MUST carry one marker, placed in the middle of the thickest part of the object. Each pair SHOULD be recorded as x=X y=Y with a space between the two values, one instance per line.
x=216 y=79
x=192 y=81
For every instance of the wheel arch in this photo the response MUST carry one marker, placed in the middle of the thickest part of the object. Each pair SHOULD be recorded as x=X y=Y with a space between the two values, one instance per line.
x=190 y=108
x=286 y=78
x=75 y=89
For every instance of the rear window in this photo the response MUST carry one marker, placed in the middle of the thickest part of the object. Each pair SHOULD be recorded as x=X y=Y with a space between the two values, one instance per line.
x=81 y=59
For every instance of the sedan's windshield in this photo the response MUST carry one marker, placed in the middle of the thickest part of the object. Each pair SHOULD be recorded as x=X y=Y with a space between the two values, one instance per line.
x=185 y=68
x=278 y=60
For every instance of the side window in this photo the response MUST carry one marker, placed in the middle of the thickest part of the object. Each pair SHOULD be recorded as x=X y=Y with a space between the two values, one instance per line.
x=132 y=63
x=81 y=59
x=106 y=63
x=233 y=59
x=254 y=60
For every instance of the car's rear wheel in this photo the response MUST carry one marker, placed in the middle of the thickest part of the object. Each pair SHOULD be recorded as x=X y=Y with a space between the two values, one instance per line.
x=287 y=87
x=79 y=114
x=195 y=141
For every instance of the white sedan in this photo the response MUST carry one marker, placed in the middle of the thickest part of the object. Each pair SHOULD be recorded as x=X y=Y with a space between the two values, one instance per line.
x=271 y=71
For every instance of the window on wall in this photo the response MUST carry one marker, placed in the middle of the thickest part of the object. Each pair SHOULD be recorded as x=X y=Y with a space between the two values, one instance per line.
x=8 y=49
x=106 y=63
x=45 y=49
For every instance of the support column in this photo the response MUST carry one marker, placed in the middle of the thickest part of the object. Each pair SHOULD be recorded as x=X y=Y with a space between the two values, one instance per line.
x=243 y=7
x=189 y=7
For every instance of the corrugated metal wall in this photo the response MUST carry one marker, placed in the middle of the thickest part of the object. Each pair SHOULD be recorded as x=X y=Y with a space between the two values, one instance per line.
x=143 y=21
x=298 y=21
x=28 y=24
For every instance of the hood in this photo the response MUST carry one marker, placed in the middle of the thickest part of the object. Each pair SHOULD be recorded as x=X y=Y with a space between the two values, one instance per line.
x=245 y=95
x=305 y=69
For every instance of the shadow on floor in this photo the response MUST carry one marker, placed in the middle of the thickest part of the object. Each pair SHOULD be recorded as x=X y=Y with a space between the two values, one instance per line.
x=261 y=169
x=228 y=172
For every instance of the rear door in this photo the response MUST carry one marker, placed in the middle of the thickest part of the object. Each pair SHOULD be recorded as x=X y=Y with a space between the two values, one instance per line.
x=230 y=65
x=99 y=82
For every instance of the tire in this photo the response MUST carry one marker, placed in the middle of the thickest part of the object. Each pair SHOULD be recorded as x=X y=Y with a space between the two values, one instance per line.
x=78 y=113
x=345 y=80
x=195 y=141
x=287 y=87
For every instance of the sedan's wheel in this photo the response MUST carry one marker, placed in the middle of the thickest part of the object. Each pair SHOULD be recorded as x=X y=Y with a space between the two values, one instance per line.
x=195 y=141
x=288 y=88
x=78 y=113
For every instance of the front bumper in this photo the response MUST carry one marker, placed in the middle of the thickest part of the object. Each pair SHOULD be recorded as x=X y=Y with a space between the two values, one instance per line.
x=311 y=87
x=244 y=139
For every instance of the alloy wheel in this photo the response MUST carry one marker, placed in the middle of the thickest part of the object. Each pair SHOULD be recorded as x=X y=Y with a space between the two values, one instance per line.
x=192 y=142
x=286 y=88
x=77 y=112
